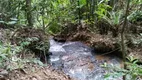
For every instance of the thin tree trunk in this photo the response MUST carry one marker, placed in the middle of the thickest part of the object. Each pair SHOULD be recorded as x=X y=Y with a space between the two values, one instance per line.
x=87 y=6
x=123 y=47
x=90 y=9
x=18 y=14
x=29 y=13
x=43 y=24
x=93 y=7
x=79 y=12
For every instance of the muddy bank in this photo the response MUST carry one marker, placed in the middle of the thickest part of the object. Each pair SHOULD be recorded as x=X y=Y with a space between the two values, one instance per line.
x=36 y=72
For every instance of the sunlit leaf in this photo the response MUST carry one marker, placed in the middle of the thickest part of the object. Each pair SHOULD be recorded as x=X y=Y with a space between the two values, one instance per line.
x=11 y=22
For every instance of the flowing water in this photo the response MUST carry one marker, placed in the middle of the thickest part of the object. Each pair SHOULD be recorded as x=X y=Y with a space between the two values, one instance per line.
x=79 y=61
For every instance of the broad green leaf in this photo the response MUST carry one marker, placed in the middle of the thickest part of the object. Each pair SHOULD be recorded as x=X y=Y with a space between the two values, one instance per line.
x=11 y=22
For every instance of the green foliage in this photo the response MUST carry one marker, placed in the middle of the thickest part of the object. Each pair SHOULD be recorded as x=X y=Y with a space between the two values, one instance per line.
x=114 y=17
x=12 y=21
x=135 y=16
x=28 y=41
x=34 y=43
x=52 y=14
x=82 y=2
x=133 y=71
x=135 y=4
x=137 y=42
x=7 y=54
x=102 y=9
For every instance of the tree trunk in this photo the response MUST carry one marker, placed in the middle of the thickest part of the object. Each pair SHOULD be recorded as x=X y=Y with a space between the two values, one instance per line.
x=29 y=13
x=43 y=24
x=87 y=8
x=123 y=47
x=79 y=12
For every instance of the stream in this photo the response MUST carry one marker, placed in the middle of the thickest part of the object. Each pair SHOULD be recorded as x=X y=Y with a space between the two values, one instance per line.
x=79 y=61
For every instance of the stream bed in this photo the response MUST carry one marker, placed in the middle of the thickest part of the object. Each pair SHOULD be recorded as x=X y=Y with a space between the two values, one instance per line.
x=79 y=61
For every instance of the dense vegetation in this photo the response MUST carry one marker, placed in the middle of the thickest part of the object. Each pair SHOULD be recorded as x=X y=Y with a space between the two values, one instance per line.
x=28 y=24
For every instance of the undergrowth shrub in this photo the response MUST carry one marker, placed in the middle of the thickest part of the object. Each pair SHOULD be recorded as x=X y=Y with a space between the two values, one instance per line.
x=135 y=16
x=8 y=54
x=10 y=57
x=133 y=71
x=33 y=41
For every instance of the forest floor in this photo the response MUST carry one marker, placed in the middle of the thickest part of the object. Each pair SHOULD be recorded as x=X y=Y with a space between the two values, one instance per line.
x=29 y=71
x=104 y=43
x=36 y=72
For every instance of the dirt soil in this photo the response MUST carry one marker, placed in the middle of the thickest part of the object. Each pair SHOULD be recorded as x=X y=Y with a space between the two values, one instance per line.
x=35 y=72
